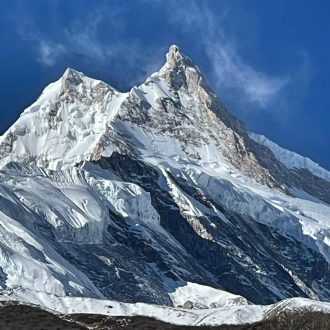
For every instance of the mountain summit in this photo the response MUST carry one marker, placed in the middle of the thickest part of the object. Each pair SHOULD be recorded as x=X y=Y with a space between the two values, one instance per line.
x=156 y=195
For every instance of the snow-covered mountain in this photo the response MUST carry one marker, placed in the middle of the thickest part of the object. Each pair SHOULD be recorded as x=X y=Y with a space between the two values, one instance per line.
x=150 y=195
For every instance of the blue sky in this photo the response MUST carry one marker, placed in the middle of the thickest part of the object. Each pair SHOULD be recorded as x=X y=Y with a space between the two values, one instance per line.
x=269 y=61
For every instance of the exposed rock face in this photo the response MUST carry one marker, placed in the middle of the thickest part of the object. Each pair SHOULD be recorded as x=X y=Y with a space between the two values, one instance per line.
x=231 y=250
x=131 y=195
x=192 y=114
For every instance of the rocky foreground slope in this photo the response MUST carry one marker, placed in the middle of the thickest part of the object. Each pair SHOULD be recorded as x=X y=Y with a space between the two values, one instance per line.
x=15 y=316
x=158 y=195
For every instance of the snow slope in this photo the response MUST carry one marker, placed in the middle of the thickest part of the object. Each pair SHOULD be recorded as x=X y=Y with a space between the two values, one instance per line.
x=74 y=108
x=201 y=297
x=291 y=159
x=227 y=314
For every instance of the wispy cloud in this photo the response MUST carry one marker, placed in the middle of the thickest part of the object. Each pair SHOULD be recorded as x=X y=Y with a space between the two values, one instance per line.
x=231 y=73
x=79 y=37
x=85 y=38
x=48 y=53
x=230 y=70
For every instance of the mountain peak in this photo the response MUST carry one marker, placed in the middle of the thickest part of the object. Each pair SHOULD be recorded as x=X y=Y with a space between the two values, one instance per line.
x=179 y=68
x=174 y=53
x=72 y=81
x=72 y=77
x=173 y=48
x=175 y=58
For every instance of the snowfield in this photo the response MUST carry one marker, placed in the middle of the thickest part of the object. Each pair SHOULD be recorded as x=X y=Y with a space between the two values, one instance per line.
x=228 y=313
